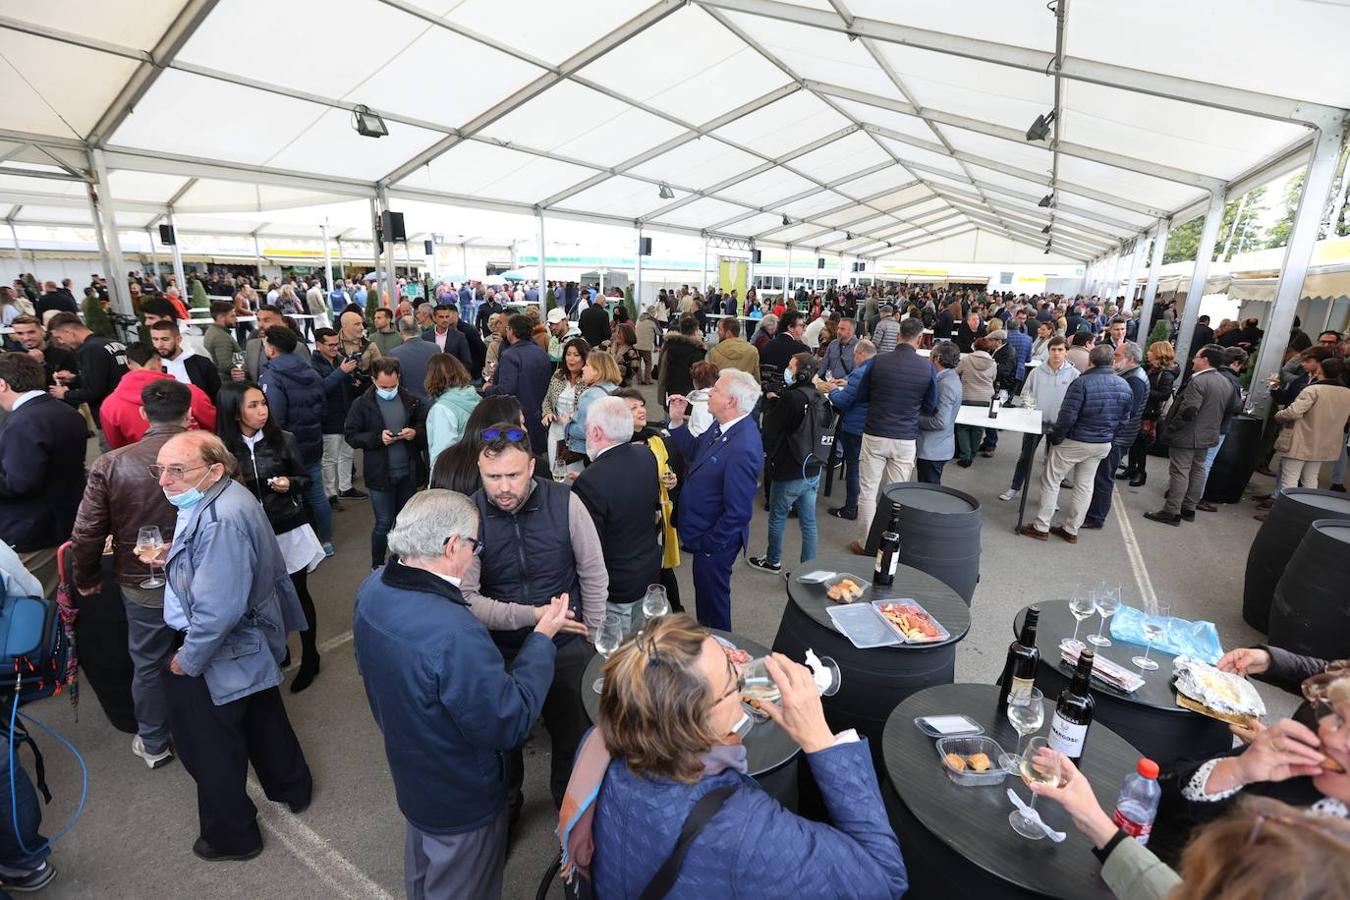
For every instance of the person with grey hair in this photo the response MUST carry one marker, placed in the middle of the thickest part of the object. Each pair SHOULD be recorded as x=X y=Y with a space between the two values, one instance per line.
x=887 y=333
x=937 y=429
x=413 y=355
x=622 y=492
x=1125 y=360
x=718 y=498
x=843 y=396
x=431 y=670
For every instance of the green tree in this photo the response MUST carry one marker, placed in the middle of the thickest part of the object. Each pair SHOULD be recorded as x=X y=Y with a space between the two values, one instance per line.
x=198 y=292
x=628 y=303
x=1279 y=232
x=1184 y=242
x=97 y=318
x=1160 y=331
x=550 y=301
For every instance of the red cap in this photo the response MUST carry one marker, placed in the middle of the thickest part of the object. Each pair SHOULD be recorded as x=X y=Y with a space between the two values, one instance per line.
x=1148 y=768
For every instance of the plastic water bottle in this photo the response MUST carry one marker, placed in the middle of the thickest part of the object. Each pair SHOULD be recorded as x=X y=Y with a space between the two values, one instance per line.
x=1138 y=803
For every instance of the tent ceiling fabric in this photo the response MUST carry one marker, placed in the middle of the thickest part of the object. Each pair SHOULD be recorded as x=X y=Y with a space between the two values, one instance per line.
x=748 y=110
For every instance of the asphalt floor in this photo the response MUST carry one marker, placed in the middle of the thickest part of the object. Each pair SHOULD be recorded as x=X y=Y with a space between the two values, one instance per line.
x=135 y=835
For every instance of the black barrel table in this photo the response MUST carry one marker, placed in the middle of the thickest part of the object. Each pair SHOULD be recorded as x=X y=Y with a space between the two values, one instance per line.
x=1235 y=461
x=771 y=755
x=939 y=532
x=956 y=840
x=1281 y=533
x=873 y=681
x=1311 y=611
x=1149 y=718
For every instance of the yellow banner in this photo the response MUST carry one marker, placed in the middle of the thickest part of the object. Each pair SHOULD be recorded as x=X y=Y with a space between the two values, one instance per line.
x=733 y=275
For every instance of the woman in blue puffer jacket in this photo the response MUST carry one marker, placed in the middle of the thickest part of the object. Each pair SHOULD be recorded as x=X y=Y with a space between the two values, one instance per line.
x=668 y=708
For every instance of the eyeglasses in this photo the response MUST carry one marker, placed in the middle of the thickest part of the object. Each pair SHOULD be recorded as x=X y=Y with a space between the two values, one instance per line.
x=514 y=435
x=1292 y=821
x=476 y=544
x=175 y=472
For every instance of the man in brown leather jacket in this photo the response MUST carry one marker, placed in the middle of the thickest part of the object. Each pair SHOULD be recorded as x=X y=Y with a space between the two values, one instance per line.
x=121 y=497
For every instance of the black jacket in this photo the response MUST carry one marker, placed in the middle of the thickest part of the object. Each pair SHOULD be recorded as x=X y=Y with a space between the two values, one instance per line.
x=364 y=427
x=103 y=362
x=1005 y=377
x=58 y=301
x=286 y=511
x=788 y=435
x=678 y=355
x=41 y=473
x=594 y=325
x=896 y=386
x=477 y=349
x=456 y=344
x=966 y=337
x=621 y=492
x=338 y=390
x=773 y=360
x=1160 y=382
x=203 y=373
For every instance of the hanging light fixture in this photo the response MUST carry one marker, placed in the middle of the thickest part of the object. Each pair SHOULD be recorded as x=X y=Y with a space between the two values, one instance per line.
x=786 y=220
x=367 y=123
x=664 y=192
x=1040 y=129
x=1047 y=247
x=1047 y=199
x=1045 y=230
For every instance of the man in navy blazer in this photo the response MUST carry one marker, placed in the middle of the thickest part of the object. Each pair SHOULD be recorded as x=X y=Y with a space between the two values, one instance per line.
x=718 y=497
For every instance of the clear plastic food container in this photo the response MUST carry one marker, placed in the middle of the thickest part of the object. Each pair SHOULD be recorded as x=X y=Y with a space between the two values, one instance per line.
x=966 y=747
x=845 y=588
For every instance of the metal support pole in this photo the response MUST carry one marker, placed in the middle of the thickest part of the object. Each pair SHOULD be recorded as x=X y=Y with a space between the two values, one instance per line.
x=257 y=256
x=1297 y=256
x=179 y=277
x=342 y=264
x=1209 y=236
x=750 y=273
x=703 y=274
x=543 y=282
x=1151 y=286
x=1135 y=255
x=154 y=255
x=110 y=247
x=637 y=288
x=14 y=235
x=1114 y=286
x=374 y=247
x=787 y=274
x=327 y=262
x=390 y=282
x=434 y=267
x=464 y=257
x=1237 y=224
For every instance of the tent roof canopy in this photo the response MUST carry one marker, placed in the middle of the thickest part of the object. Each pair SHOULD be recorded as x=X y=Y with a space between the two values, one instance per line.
x=866 y=128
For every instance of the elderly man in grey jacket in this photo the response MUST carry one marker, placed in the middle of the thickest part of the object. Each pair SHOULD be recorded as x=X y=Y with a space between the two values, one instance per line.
x=230 y=599
x=1197 y=418
x=937 y=430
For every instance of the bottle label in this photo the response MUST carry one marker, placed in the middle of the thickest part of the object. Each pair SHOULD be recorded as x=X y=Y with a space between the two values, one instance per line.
x=1139 y=832
x=1067 y=737
x=1021 y=688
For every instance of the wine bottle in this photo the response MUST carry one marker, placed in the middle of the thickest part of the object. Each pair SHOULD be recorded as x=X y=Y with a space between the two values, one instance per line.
x=1019 y=672
x=1073 y=712
x=888 y=552
x=993 y=406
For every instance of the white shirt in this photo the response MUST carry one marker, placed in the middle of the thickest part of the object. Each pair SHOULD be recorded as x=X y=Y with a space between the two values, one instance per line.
x=728 y=426
x=441 y=338
x=24 y=398
x=811 y=336
x=176 y=366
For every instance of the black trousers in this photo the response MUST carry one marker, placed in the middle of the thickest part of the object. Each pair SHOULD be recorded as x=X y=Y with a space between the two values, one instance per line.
x=565 y=718
x=1103 y=484
x=930 y=470
x=217 y=744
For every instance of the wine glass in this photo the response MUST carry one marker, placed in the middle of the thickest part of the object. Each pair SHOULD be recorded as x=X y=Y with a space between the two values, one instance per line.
x=756 y=684
x=655 y=603
x=149 y=545
x=1026 y=712
x=1108 y=601
x=1082 y=605
x=607 y=640
x=1155 y=626
x=1026 y=767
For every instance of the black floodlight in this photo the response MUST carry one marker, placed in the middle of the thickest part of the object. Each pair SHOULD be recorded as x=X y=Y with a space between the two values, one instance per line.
x=1045 y=230
x=1040 y=129
x=786 y=220
x=665 y=193
x=1047 y=200
x=367 y=123
x=1047 y=247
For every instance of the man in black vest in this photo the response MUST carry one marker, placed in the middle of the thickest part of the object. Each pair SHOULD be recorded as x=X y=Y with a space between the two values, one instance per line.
x=623 y=494
x=522 y=565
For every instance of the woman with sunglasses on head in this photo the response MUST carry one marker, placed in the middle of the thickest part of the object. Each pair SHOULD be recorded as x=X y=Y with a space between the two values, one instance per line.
x=601 y=377
x=665 y=741
x=456 y=469
x=270 y=467
x=560 y=404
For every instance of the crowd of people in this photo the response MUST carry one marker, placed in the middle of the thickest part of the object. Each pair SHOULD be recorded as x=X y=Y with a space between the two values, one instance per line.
x=523 y=503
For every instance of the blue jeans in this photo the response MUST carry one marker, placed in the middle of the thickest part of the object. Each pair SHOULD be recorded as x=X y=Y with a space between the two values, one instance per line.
x=318 y=502
x=386 y=504
x=851 y=445
x=12 y=856
x=1211 y=453
x=783 y=495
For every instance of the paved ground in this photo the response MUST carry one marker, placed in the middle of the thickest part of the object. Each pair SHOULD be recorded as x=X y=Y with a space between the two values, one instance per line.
x=135 y=836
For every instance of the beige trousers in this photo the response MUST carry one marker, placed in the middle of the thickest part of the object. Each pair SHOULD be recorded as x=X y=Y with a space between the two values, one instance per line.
x=1069 y=457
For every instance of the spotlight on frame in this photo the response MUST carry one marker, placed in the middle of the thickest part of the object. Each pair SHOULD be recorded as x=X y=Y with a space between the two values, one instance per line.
x=367 y=123
x=665 y=193
x=1040 y=129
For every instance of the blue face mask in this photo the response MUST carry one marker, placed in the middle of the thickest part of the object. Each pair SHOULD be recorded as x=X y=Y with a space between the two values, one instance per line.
x=191 y=497
x=386 y=393
x=789 y=376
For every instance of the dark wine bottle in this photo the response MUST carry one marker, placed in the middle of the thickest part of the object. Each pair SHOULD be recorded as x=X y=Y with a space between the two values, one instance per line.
x=1073 y=712
x=1019 y=672
x=888 y=552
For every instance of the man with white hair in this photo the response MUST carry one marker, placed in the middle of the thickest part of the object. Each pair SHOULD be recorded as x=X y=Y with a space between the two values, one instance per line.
x=621 y=491
x=718 y=497
x=431 y=670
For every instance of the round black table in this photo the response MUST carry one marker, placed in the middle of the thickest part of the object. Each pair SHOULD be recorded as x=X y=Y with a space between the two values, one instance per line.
x=956 y=840
x=873 y=680
x=771 y=755
x=1149 y=718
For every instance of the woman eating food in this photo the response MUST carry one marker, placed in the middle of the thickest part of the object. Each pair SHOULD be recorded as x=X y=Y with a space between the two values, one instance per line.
x=665 y=741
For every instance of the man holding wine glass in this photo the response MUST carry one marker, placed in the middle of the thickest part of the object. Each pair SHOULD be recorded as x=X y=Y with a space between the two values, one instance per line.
x=120 y=480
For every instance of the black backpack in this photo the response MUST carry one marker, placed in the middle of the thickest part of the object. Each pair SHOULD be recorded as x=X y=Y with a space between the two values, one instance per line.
x=813 y=441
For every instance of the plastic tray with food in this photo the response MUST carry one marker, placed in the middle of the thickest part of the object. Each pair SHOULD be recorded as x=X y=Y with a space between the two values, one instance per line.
x=845 y=588
x=971 y=761
x=864 y=626
x=916 y=624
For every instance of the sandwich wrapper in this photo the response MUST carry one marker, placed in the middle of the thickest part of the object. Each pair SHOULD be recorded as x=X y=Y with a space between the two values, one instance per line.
x=1197 y=640
x=1220 y=695
x=1104 y=670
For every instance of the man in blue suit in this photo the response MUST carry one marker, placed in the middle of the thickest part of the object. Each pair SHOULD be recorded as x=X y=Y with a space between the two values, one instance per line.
x=718 y=497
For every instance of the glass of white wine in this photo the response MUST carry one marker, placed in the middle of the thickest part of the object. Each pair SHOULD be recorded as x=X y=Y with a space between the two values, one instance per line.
x=1108 y=601
x=1155 y=626
x=1032 y=829
x=757 y=684
x=149 y=546
x=1082 y=605
x=655 y=603
x=1026 y=712
x=607 y=640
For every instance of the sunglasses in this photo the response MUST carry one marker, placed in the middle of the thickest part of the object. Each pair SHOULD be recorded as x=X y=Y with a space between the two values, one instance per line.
x=514 y=435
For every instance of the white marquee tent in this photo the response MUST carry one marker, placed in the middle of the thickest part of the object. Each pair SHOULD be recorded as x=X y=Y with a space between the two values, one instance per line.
x=864 y=128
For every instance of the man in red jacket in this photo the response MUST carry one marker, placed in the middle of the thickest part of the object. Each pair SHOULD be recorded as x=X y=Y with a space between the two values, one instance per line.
x=123 y=421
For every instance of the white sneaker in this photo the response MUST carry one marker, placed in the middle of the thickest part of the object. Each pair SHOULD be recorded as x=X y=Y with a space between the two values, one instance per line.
x=153 y=760
x=1010 y=494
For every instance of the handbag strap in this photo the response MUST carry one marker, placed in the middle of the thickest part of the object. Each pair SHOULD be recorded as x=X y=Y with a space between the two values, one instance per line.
x=700 y=815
